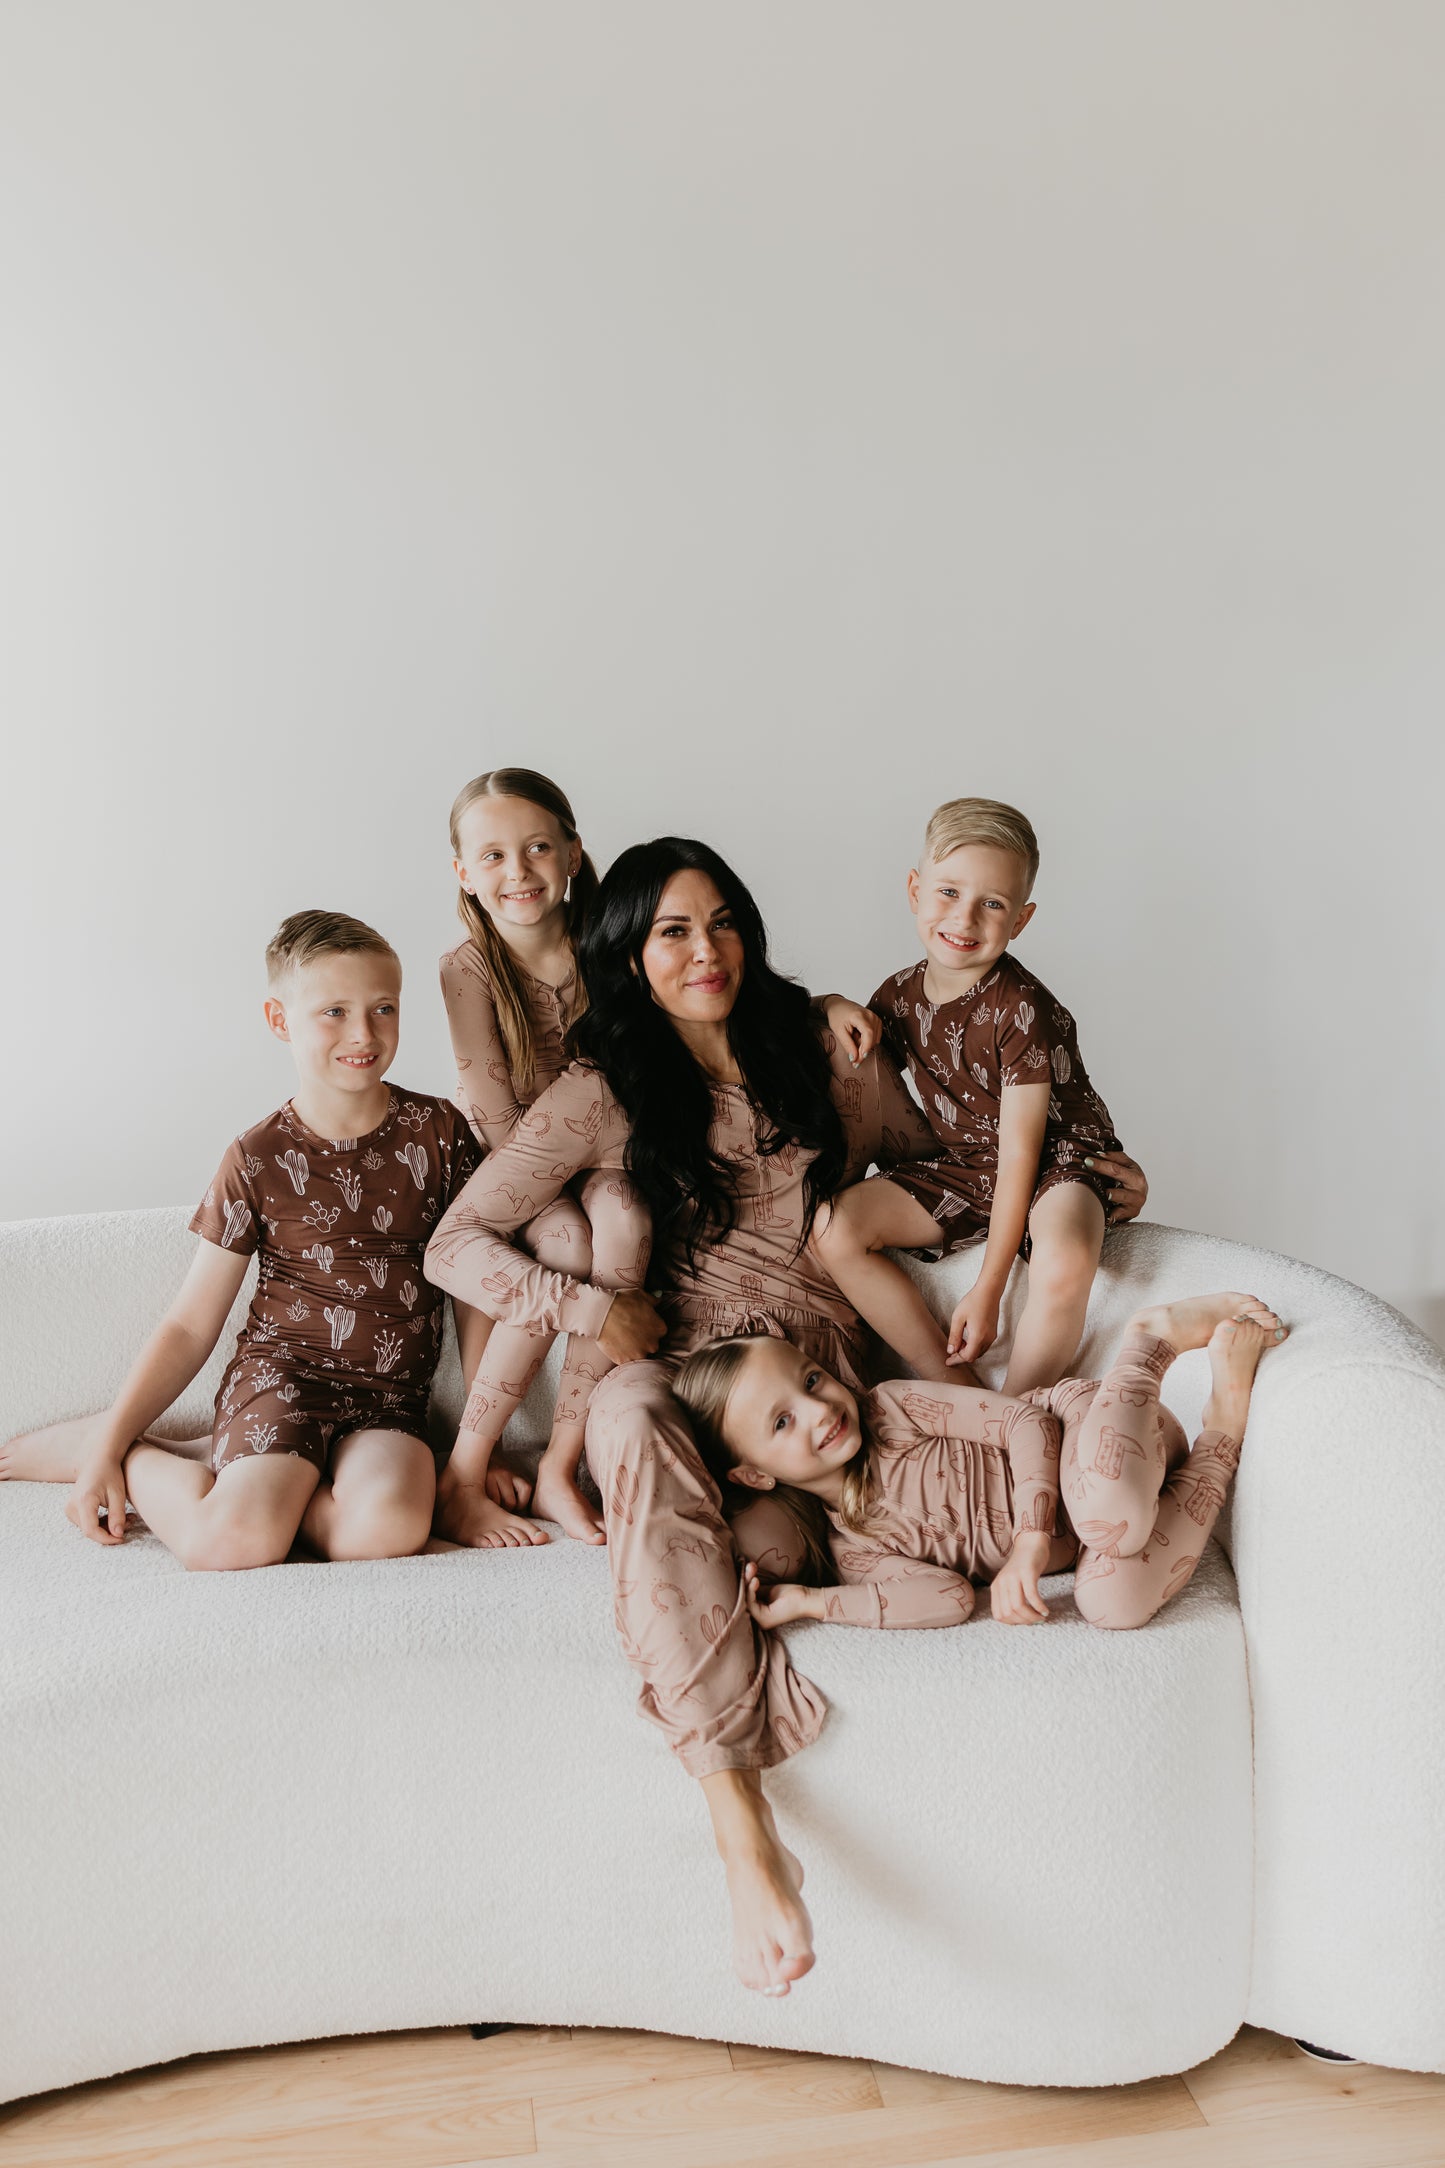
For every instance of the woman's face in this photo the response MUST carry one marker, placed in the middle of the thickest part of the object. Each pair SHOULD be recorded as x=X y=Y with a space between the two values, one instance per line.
x=789 y=1421
x=693 y=955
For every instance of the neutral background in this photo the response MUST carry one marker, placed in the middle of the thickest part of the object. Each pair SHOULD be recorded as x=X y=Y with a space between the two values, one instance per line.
x=769 y=418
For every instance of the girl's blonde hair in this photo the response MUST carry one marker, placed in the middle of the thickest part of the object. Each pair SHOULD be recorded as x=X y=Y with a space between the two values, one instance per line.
x=513 y=1015
x=704 y=1384
x=982 y=820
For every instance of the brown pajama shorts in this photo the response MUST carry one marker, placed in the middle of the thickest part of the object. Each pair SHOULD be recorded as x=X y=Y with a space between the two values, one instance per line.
x=269 y=1405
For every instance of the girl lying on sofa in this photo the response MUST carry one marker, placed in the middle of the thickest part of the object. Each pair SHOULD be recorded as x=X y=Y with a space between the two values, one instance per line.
x=886 y=1508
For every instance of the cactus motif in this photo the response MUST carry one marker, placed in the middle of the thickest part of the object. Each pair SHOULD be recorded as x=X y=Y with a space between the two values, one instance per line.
x=1024 y=1016
x=413 y=1158
x=297 y=1167
x=947 y=1111
x=349 y=1186
x=381 y=1219
x=1063 y=1066
x=322 y=1217
x=252 y=1164
x=298 y=1311
x=953 y=1039
x=407 y=1292
x=222 y=1442
x=321 y=1255
x=265 y=1376
x=238 y=1218
x=980 y=1074
x=378 y=1268
x=388 y=1351
x=926 y=1014
x=342 y=1322
x=288 y=1393
x=260 y=1436
x=372 y=1161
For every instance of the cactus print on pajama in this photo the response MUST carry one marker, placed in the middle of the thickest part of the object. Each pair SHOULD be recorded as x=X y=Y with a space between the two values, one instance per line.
x=721 y=1689
x=594 y=1230
x=958 y=1472
x=960 y=1054
x=344 y=1328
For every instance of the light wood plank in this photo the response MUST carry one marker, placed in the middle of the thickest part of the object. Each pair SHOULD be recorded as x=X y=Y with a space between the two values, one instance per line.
x=1259 y=2075
x=669 y=2108
x=1152 y=2104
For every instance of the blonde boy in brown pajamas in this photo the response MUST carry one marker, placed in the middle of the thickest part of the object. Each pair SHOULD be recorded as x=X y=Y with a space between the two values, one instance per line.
x=995 y=1061
x=321 y=1417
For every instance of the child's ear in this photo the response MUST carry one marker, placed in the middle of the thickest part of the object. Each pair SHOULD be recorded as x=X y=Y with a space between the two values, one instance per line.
x=461 y=873
x=1022 y=920
x=276 y=1018
x=913 y=890
x=574 y=858
x=751 y=1478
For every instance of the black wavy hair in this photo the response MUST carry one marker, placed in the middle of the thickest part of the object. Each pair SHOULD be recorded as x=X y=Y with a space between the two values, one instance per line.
x=691 y=1191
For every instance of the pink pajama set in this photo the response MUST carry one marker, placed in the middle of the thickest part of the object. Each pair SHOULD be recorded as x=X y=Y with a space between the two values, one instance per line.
x=594 y=1229
x=720 y=1688
x=958 y=1471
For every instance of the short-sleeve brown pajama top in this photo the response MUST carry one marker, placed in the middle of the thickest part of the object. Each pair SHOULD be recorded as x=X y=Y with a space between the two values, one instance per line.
x=344 y=1328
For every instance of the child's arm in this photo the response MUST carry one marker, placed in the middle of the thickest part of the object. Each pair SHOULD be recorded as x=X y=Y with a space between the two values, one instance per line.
x=175 y=1353
x=889 y=1591
x=1022 y=1121
x=485 y=1091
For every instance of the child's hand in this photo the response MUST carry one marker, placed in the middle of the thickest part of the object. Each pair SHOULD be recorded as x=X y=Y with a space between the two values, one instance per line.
x=782 y=1602
x=855 y=1028
x=1015 y=1598
x=505 y=1488
x=973 y=1328
x=101 y=1484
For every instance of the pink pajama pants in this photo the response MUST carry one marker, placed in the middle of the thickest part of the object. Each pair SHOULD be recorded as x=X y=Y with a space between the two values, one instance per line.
x=1140 y=1501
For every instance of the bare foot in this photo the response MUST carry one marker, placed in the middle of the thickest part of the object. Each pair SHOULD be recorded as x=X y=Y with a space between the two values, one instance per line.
x=1235 y=1348
x=51 y=1455
x=1190 y=1324
x=558 y=1499
x=772 y=1933
x=470 y=1518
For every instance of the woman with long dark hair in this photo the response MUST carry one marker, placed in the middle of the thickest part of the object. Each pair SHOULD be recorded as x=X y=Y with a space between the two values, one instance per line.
x=716 y=1087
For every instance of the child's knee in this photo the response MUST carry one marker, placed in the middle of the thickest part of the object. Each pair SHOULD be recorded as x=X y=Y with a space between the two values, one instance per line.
x=233 y=1547
x=1120 y=1601
x=1062 y=1267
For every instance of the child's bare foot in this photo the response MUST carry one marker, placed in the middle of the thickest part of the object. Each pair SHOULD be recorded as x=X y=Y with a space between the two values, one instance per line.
x=558 y=1499
x=1189 y=1324
x=772 y=1933
x=52 y=1455
x=1235 y=1348
x=467 y=1516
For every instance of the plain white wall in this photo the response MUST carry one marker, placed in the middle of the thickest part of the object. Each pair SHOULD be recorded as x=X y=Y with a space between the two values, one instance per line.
x=769 y=418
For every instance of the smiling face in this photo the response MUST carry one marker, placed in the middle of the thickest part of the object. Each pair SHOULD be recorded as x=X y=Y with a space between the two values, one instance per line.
x=788 y=1420
x=693 y=955
x=341 y=1016
x=514 y=857
x=969 y=906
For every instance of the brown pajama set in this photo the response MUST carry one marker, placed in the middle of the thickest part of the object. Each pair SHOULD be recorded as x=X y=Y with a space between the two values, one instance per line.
x=591 y=1230
x=961 y=1055
x=958 y=1471
x=721 y=1689
x=344 y=1328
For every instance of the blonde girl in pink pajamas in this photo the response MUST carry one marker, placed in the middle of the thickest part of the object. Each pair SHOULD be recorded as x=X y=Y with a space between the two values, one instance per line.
x=512 y=988
x=734 y=1108
x=889 y=1508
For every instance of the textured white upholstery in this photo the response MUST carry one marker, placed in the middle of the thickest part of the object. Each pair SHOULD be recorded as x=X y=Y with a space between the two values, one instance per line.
x=254 y=1807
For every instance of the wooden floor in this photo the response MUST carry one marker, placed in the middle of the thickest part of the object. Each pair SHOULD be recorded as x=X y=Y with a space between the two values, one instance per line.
x=642 y=2100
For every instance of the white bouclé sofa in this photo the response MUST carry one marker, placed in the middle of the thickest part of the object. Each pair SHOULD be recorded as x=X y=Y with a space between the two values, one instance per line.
x=313 y=1800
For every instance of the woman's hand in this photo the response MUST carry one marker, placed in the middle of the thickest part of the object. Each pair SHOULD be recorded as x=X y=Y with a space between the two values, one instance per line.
x=634 y=1328
x=100 y=1485
x=506 y=1488
x=973 y=1328
x=855 y=1028
x=783 y=1601
x=1129 y=1185
x=1015 y=1598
